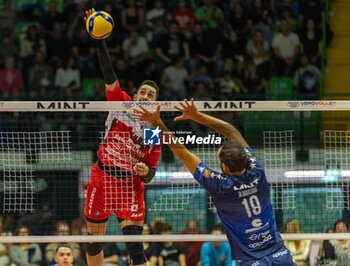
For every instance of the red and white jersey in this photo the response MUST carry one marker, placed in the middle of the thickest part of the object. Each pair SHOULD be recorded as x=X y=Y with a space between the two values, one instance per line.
x=122 y=144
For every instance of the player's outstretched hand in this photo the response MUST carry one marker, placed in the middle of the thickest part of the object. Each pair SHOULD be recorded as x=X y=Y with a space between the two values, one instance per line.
x=88 y=13
x=188 y=110
x=152 y=117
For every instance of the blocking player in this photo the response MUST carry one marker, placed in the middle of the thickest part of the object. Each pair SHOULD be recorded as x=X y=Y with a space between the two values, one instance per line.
x=123 y=165
x=240 y=193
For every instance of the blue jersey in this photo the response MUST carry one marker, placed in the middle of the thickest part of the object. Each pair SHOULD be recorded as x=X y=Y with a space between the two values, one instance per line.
x=244 y=206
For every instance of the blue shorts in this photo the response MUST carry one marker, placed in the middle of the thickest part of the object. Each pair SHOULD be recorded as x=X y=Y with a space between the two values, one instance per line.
x=281 y=257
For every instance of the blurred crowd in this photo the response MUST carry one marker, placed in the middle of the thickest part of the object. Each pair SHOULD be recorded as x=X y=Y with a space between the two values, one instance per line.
x=207 y=49
x=305 y=252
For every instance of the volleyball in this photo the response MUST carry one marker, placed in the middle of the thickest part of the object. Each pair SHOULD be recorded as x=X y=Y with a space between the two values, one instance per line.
x=99 y=25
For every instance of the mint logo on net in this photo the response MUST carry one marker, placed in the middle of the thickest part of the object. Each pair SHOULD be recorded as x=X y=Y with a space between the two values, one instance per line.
x=151 y=136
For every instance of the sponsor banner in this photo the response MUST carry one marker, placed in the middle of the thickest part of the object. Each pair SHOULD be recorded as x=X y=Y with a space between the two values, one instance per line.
x=212 y=106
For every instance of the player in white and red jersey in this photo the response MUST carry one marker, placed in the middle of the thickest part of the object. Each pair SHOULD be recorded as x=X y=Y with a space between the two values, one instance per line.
x=124 y=165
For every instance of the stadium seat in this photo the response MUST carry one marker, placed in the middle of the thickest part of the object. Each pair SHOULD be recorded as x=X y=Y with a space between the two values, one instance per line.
x=281 y=88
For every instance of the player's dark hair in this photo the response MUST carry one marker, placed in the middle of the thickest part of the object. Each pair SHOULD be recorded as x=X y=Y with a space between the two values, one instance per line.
x=217 y=227
x=233 y=155
x=150 y=83
x=63 y=245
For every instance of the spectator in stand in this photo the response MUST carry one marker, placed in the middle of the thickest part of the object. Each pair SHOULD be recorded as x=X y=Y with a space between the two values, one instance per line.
x=286 y=47
x=206 y=48
x=135 y=49
x=7 y=16
x=171 y=45
x=259 y=52
x=174 y=79
x=62 y=229
x=4 y=258
x=306 y=78
x=155 y=22
x=58 y=45
x=259 y=12
x=51 y=16
x=233 y=53
x=251 y=82
x=4 y=255
x=8 y=47
x=293 y=5
x=10 y=79
x=216 y=253
x=67 y=75
x=84 y=53
x=150 y=248
x=227 y=86
x=210 y=16
x=287 y=15
x=31 y=44
x=184 y=16
x=170 y=254
x=300 y=249
x=238 y=21
x=132 y=17
x=201 y=93
x=201 y=75
x=311 y=42
x=192 y=249
x=25 y=253
x=311 y=9
x=39 y=72
x=75 y=15
x=338 y=252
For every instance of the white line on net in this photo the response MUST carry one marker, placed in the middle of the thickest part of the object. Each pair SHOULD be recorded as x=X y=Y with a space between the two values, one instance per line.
x=156 y=238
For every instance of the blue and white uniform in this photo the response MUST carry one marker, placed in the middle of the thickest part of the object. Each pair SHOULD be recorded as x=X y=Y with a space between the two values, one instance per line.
x=244 y=206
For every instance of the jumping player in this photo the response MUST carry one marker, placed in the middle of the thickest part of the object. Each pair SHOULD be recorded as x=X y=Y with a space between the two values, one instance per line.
x=124 y=164
x=240 y=193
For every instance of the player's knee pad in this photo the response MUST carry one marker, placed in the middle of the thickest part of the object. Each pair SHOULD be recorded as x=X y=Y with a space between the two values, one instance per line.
x=135 y=249
x=92 y=249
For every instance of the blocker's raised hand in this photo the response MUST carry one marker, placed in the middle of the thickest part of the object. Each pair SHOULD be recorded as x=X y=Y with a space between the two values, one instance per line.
x=188 y=110
x=143 y=114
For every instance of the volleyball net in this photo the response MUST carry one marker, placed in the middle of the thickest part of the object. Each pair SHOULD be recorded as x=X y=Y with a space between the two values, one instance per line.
x=47 y=150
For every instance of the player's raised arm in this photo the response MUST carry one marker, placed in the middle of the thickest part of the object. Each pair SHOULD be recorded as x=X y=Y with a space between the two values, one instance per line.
x=190 y=160
x=189 y=112
x=113 y=89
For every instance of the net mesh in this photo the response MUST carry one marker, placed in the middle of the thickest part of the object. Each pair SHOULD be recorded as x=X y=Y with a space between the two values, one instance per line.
x=46 y=159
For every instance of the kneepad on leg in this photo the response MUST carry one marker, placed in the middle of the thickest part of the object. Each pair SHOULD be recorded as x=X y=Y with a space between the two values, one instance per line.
x=92 y=249
x=135 y=249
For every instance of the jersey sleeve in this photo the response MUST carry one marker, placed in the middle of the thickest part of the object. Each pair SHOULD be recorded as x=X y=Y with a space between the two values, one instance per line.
x=211 y=180
x=253 y=159
x=151 y=159
x=117 y=94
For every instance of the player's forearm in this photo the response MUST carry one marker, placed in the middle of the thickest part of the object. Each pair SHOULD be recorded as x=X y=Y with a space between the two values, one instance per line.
x=105 y=62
